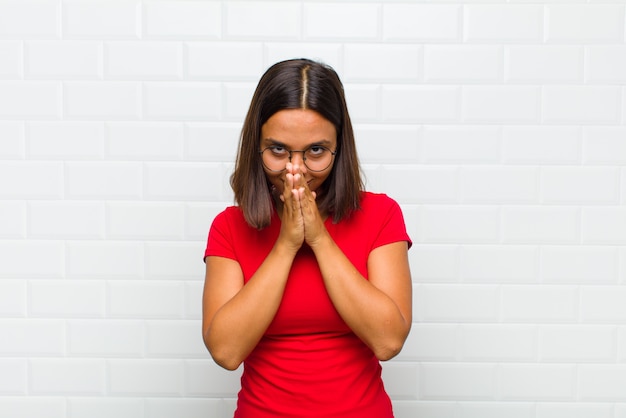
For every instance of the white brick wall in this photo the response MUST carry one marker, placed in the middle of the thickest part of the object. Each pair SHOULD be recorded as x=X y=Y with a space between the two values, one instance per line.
x=499 y=126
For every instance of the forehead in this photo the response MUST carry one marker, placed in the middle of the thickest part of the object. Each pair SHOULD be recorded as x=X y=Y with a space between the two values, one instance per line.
x=298 y=127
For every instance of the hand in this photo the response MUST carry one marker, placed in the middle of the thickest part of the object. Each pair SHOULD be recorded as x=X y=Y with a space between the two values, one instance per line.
x=313 y=222
x=292 y=222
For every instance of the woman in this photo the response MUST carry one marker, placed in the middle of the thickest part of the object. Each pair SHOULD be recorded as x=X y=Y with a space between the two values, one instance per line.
x=307 y=278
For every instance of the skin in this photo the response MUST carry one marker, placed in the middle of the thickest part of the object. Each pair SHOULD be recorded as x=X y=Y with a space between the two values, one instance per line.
x=378 y=310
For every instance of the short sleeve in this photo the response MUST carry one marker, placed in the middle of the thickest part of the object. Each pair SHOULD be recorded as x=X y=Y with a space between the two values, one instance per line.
x=220 y=239
x=393 y=228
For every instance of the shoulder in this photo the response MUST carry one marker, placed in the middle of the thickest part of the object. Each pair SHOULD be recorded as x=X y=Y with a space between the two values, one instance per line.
x=377 y=201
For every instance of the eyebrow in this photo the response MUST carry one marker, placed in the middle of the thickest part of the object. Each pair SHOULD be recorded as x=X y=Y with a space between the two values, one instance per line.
x=272 y=141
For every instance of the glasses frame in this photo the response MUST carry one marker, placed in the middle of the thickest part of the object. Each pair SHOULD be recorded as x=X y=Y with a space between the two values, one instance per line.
x=332 y=156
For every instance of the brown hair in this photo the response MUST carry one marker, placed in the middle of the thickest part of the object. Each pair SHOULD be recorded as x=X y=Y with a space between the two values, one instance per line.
x=297 y=84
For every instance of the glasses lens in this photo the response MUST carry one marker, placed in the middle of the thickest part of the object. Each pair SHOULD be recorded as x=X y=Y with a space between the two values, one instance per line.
x=274 y=160
x=316 y=158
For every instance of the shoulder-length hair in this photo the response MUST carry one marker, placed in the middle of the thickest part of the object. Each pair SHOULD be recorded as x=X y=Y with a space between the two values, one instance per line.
x=297 y=84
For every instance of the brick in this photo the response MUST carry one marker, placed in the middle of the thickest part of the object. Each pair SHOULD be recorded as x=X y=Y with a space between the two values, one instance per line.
x=105 y=407
x=581 y=104
x=604 y=145
x=602 y=382
x=176 y=339
x=30 y=100
x=435 y=263
x=177 y=181
x=510 y=104
x=33 y=406
x=379 y=62
x=63 y=60
x=544 y=64
x=498 y=184
x=426 y=184
x=144 y=141
x=102 y=100
x=606 y=64
x=145 y=377
x=145 y=220
x=237 y=100
x=198 y=219
x=545 y=303
x=17 y=261
x=13 y=301
x=328 y=53
x=105 y=338
x=97 y=180
x=13 y=219
x=177 y=19
x=61 y=376
x=181 y=101
x=193 y=299
x=93 y=260
x=415 y=104
x=569 y=265
x=101 y=19
x=198 y=381
x=65 y=140
x=502 y=343
x=541 y=144
x=498 y=264
x=175 y=261
x=577 y=343
x=462 y=64
x=422 y=408
x=456 y=303
x=50 y=299
x=439 y=224
x=17 y=19
x=536 y=224
x=341 y=21
x=12 y=146
x=421 y=22
x=584 y=23
x=603 y=304
x=401 y=143
x=32 y=337
x=224 y=61
x=503 y=23
x=491 y=409
x=604 y=225
x=137 y=299
x=13 y=380
x=11 y=59
x=573 y=410
x=458 y=381
x=268 y=20
x=586 y=185
x=401 y=380
x=430 y=342
x=547 y=382
x=187 y=407
x=143 y=60
x=62 y=219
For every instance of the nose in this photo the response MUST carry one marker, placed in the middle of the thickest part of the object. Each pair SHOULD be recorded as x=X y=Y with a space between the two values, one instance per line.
x=297 y=157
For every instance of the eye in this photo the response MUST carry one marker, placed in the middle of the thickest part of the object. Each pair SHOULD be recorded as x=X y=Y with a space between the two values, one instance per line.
x=316 y=151
x=278 y=150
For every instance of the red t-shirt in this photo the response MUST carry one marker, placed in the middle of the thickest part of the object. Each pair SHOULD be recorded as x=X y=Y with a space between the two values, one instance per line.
x=309 y=363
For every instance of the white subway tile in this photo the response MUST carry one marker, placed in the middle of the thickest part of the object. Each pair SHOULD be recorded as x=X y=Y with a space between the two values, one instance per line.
x=145 y=220
x=187 y=407
x=460 y=144
x=181 y=101
x=497 y=409
x=602 y=382
x=421 y=22
x=181 y=181
x=198 y=381
x=541 y=144
x=499 y=184
x=63 y=60
x=64 y=140
x=497 y=343
x=544 y=64
x=541 y=303
x=101 y=19
x=198 y=219
x=547 y=382
x=62 y=376
x=573 y=410
x=603 y=304
x=12 y=146
x=401 y=380
x=577 y=343
x=430 y=342
x=604 y=145
x=604 y=225
x=435 y=263
x=501 y=104
x=424 y=408
x=426 y=184
x=417 y=104
x=237 y=97
x=11 y=60
x=503 y=22
x=176 y=261
x=606 y=64
x=105 y=407
x=13 y=301
x=440 y=224
x=17 y=19
x=459 y=381
x=104 y=260
x=13 y=380
x=325 y=52
x=32 y=337
x=56 y=298
x=33 y=406
x=149 y=299
x=177 y=339
x=193 y=299
x=267 y=20
x=12 y=219
x=456 y=303
x=64 y=219
x=144 y=141
x=105 y=338
x=364 y=102
x=581 y=104
x=462 y=63
x=102 y=100
x=373 y=62
x=145 y=377
x=341 y=21
x=499 y=264
x=533 y=225
x=387 y=143
x=584 y=23
x=182 y=19
x=143 y=60
x=579 y=264
x=17 y=259
x=30 y=100
x=98 y=180
x=583 y=185
x=223 y=61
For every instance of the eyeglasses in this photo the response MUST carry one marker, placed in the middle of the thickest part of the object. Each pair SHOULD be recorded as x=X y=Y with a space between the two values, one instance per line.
x=316 y=157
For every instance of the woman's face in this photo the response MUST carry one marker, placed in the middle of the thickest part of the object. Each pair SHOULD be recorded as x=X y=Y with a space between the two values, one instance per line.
x=299 y=129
